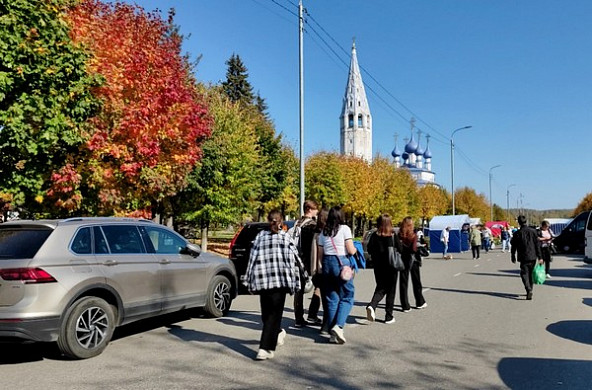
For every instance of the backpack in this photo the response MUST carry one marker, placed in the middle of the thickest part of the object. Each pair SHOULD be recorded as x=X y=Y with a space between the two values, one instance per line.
x=296 y=232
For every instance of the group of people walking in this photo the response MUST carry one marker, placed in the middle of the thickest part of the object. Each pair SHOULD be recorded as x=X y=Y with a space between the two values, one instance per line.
x=317 y=247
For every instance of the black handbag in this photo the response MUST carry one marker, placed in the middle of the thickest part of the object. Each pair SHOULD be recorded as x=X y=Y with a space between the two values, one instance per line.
x=423 y=251
x=395 y=260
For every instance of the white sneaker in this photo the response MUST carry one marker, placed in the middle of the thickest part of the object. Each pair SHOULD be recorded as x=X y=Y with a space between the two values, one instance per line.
x=264 y=354
x=370 y=315
x=391 y=321
x=548 y=276
x=425 y=304
x=332 y=340
x=338 y=333
x=281 y=337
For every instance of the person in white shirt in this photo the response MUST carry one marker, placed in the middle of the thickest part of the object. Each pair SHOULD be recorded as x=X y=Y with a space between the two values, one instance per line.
x=444 y=236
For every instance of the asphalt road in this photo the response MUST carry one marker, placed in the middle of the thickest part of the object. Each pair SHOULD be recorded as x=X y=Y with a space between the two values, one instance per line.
x=478 y=332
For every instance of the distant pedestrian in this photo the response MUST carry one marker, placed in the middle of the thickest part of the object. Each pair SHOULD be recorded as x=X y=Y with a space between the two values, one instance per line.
x=412 y=262
x=475 y=238
x=444 y=238
x=384 y=274
x=274 y=270
x=486 y=238
x=546 y=237
x=303 y=235
x=505 y=237
x=525 y=242
x=335 y=242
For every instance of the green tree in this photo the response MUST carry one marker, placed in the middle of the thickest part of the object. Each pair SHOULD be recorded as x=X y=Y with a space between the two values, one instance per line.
x=324 y=181
x=224 y=187
x=433 y=201
x=499 y=214
x=237 y=86
x=44 y=97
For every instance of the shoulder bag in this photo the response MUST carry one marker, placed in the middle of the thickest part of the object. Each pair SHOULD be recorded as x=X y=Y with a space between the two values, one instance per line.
x=395 y=260
x=346 y=272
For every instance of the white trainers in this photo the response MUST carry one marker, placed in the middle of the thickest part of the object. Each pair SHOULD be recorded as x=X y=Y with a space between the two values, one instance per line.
x=338 y=333
x=548 y=276
x=370 y=315
x=425 y=304
x=264 y=354
x=332 y=340
x=281 y=337
x=391 y=321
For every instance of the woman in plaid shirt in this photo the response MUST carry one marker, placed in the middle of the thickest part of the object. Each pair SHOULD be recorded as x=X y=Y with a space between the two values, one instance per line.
x=274 y=269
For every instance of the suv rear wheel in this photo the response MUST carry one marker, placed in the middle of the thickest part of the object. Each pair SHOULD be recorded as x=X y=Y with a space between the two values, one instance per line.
x=219 y=299
x=87 y=328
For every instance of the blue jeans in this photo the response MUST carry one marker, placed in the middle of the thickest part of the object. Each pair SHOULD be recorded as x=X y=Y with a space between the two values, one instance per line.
x=339 y=293
x=445 y=249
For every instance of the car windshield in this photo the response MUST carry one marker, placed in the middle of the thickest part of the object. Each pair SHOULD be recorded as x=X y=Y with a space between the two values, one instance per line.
x=21 y=243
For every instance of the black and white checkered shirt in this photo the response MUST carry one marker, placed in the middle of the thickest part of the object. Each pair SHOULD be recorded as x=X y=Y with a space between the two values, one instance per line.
x=274 y=263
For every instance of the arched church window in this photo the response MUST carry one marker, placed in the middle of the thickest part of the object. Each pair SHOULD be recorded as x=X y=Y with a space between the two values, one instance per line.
x=360 y=120
x=350 y=121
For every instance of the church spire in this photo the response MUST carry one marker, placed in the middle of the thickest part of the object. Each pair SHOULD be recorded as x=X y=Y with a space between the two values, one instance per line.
x=355 y=119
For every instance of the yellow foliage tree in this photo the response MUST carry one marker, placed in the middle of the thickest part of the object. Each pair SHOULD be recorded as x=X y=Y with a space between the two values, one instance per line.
x=467 y=201
x=584 y=205
x=432 y=201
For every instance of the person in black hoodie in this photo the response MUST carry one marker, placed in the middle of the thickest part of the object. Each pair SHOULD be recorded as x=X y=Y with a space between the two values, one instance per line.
x=526 y=242
x=384 y=274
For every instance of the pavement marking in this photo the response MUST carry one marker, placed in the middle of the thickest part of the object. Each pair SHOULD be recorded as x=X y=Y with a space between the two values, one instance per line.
x=458 y=274
x=426 y=289
x=476 y=265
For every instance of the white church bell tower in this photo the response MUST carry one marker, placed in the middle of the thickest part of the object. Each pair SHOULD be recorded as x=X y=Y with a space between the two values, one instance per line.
x=355 y=119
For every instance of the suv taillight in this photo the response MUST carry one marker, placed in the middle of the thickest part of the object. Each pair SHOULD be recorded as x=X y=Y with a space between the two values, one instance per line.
x=232 y=242
x=27 y=275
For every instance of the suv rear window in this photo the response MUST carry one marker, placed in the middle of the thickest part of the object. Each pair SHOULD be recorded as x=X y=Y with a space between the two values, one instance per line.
x=21 y=242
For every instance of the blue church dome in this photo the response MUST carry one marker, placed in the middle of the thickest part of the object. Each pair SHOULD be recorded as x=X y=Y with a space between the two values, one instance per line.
x=419 y=151
x=405 y=156
x=396 y=152
x=427 y=153
x=411 y=145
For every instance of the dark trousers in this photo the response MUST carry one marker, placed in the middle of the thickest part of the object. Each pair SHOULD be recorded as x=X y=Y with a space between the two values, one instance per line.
x=313 y=309
x=526 y=269
x=272 y=308
x=546 y=252
x=386 y=284
x=413 y=270
x=475 y=249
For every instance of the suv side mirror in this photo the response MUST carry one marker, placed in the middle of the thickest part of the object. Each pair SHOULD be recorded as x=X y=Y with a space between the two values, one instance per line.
x=191 y=249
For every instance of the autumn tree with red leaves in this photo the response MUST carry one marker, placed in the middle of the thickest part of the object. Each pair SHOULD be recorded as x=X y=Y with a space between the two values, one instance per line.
x=147 y=136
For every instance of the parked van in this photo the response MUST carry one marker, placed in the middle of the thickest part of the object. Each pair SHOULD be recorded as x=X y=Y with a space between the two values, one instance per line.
x=571 y=239
x=588 y=241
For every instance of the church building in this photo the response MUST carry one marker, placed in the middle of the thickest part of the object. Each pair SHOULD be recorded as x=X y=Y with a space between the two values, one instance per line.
x=355 y=119
x=415 y=158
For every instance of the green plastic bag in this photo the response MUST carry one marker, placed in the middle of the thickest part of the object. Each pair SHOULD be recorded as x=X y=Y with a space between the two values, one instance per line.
x=538 y=274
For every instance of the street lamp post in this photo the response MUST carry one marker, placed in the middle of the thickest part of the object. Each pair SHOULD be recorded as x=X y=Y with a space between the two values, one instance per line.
x=508 y=201
x=491 y=200
x=452 y=164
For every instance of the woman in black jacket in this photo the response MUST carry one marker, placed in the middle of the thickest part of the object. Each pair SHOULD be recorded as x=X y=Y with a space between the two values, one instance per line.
x=384 y=274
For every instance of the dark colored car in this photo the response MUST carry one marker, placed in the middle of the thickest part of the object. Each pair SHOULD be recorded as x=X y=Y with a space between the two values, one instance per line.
x=241 y=244
x=571 y=239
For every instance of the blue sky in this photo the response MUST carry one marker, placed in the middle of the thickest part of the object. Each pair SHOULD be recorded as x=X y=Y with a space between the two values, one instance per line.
x=519 y=72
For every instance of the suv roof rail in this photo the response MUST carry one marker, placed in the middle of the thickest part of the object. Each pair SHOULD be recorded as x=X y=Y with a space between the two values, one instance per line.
x=73 y=219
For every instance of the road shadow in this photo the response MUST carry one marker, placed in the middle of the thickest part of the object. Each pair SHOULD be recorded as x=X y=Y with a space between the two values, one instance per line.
x=506 y=274
x=16 y=353
x=239 y=346
x=579 y=331
x=587 y=301
x=543 y=374
x=475 y=292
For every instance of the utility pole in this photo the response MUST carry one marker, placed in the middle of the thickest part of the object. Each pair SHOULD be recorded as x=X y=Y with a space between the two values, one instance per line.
x=301 y=73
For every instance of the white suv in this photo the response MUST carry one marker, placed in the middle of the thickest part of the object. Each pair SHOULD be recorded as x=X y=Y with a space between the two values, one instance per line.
x=74 y=280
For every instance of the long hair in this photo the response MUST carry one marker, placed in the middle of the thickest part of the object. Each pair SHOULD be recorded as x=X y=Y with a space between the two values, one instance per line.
x=406 y=230
x=322 y=219
x=334 y=221
x=384 y=225
x=275 y=220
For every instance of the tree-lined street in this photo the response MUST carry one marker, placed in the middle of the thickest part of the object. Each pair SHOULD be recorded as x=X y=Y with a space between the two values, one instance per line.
x=478 y=332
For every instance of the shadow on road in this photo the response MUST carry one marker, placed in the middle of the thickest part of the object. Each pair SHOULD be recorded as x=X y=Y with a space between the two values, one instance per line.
x=534 y=373
x=239 y=346
x=491 y=293
x=587 y=301
x=579 y=331
x=15 y=353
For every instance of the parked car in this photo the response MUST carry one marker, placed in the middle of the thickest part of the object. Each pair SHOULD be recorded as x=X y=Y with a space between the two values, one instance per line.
x=74 y=281
x=588 y=241
x=571 y=239
x=240 y=247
